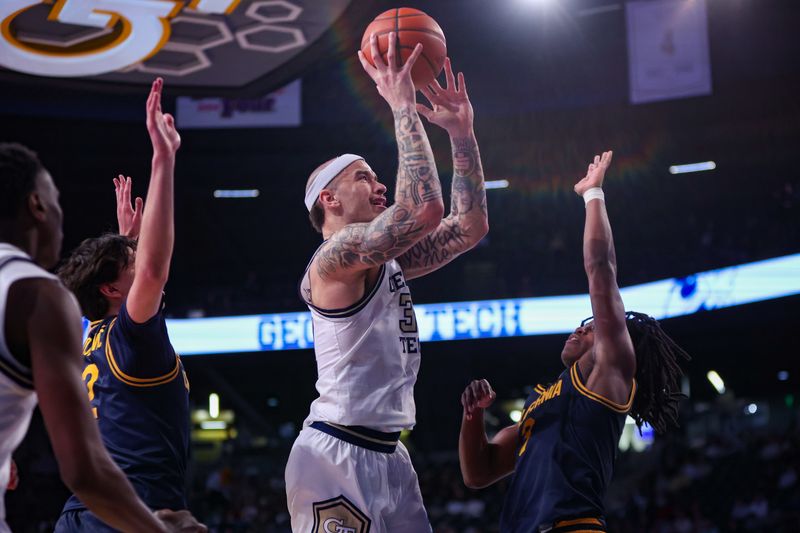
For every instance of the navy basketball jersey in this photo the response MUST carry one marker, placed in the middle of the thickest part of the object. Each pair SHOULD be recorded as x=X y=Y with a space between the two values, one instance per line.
x=568 y=444
x=140 y=397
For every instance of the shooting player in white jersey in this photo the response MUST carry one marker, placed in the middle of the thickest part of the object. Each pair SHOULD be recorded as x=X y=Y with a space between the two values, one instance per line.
x=40 y=355
x=347 y=471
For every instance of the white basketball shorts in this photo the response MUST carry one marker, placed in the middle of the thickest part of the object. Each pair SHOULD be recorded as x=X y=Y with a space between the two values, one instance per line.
x=347 y=479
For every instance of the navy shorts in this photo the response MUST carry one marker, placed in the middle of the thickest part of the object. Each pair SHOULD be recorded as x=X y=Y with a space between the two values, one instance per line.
x=81 y=521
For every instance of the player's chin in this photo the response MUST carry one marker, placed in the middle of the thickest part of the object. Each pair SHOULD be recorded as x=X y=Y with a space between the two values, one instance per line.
x=567 y=357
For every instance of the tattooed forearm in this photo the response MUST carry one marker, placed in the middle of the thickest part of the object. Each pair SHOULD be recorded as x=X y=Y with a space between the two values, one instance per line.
x=436 y=249
x=468 y=190
x=359 y=246
x=468 y=221
x=417 y=178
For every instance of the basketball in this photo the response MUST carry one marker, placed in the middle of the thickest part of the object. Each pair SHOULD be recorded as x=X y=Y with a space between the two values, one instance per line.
x=412 y=26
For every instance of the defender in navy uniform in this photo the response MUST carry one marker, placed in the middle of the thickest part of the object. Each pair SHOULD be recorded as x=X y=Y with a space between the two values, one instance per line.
x=562 y=450
x=135 y=381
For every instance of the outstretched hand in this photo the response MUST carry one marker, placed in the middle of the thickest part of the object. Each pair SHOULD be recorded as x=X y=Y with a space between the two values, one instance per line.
x=450 y=107
x=595 y=174
x=477 y=395
x=161 y=126
x=393 y=80
x=129 y=217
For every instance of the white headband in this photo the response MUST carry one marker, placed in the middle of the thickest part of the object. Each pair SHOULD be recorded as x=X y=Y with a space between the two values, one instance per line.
x=327 y=175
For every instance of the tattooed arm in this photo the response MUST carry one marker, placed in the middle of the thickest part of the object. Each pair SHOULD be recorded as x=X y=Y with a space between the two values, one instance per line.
x=418 y=207
x=468 y=220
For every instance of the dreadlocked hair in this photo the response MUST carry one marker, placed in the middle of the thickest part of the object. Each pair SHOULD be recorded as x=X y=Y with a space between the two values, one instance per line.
x=657 y=373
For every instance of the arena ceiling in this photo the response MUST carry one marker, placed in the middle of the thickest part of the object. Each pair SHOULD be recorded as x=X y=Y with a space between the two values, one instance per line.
x=224 y=47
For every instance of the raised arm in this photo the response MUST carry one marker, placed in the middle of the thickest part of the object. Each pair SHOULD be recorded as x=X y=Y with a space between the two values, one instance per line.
x=468 y=220
x=418 y=206
x=157 y=236
x=614 y=357
x=483 y=462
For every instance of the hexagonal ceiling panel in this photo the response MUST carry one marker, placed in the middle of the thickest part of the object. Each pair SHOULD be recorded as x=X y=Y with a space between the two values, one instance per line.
x=224 y=47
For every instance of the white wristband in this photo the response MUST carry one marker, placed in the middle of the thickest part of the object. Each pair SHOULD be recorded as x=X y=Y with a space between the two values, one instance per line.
x=595 y=193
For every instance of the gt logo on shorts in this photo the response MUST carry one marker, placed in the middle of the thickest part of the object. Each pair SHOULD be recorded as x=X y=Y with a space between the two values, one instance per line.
x=339 y=515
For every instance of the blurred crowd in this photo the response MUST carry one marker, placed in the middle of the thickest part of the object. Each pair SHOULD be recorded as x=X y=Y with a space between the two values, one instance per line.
x=742 y=475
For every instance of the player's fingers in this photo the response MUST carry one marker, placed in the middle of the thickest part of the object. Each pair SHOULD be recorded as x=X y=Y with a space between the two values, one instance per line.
x=608 y=156
x=425 y=111
x=431 y=95
x=377 y=60
x=436 y=87
x=391 y=54
x=462 y=85
x=159 y=88
x=152 y=96
x=413 y=57
x=170 y=121
x=448 y=75
x=366 y=65
x=139 y=205
x=470 y=399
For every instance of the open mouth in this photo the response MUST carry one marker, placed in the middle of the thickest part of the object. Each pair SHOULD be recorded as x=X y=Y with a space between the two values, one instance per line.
x=380 y=202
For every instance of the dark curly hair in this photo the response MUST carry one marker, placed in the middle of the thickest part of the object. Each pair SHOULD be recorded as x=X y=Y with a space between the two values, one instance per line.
x=657 y=373
x=93 y=263
x=19 y=167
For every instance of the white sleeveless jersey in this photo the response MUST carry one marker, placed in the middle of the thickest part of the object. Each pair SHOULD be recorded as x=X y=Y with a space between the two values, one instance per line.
x=368 y=356
x=17 y=397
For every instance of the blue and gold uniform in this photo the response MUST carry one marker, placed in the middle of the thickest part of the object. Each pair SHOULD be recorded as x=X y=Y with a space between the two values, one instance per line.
x=568 y=443
x=140 y=397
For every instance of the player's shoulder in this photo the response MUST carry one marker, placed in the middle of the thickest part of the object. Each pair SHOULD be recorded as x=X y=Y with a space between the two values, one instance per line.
x=41 y=293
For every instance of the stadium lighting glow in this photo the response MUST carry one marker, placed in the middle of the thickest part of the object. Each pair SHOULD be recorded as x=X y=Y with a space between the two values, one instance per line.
x=716 y=381
x=752 y=408
x=515 y=415
x=213 y=405
x=599 y=10
x=692 y=167
x=237 y=193
x=496 y=184
x=783 y=375
x=213 y=424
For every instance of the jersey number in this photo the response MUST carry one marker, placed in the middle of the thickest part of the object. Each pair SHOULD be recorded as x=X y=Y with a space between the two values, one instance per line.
x=93 y=373
x=408 y=324
x=527 y=429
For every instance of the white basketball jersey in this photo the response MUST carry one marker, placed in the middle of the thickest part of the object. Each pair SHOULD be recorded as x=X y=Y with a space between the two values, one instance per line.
x=17 y=397
x=368 y=356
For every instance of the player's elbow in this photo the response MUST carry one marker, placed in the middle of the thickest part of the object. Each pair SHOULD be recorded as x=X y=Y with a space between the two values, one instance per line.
x=600 y=267
x=430 y=215
x=474 y=481
x=479 y=230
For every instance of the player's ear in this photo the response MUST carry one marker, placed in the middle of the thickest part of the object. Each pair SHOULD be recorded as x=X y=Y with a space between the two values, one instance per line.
x=328 y=198
x=110 y=291
x=36 y=207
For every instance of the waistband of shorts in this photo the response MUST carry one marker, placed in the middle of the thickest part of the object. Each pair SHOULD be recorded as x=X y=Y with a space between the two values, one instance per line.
x=589 y=524
x=377 y=441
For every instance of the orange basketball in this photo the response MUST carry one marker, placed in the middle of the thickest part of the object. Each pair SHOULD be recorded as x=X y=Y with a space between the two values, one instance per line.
x=412 y=26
